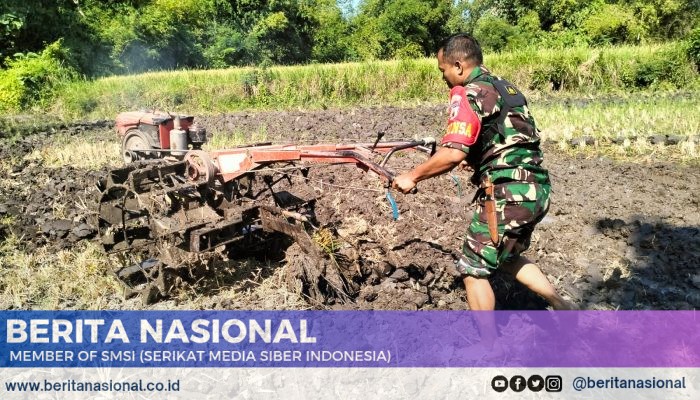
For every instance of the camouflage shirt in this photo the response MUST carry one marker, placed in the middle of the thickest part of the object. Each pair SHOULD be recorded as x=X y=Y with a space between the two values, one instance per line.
x=511 y=155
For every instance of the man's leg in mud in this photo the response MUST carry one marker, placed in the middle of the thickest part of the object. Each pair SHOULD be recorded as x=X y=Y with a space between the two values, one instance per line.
x=480 y=297
x=530 y=275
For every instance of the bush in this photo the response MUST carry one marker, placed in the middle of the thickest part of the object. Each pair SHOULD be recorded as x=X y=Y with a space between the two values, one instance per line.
x=559 y=72
x=33 y=78
x=612 y=24
x=494 y=33
x=669 y=66
x=409 y=52
x=694 y=48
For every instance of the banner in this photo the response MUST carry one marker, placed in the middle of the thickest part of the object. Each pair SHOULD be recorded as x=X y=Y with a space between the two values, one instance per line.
x=345 y=339
x=565 y=352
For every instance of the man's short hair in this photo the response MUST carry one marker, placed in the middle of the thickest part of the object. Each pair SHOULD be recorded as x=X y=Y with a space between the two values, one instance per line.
x=462 y=46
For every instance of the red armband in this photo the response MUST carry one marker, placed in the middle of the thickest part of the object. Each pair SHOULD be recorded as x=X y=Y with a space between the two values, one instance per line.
x=464 y=125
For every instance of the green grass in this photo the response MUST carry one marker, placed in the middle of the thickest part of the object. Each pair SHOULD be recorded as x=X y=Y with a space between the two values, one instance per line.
x=637 y=115
x=227 y=140
x=538 y=72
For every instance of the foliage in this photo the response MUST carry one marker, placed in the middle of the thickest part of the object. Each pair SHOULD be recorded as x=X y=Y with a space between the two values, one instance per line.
x=10 y=25
x=133 y=36
x=32 y=78
x=694 y=47
x=386 y=29
x=612 y=24
x=576 y=70
x=600 y=21
x=495 y=33
x=670 y=65
x=331 y=38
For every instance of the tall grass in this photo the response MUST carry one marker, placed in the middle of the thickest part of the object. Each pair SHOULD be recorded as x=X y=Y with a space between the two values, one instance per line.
x=45 y=279
x=371 y=83
x=638 y=115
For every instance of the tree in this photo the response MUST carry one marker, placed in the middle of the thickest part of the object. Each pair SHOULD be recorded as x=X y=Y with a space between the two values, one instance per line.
x=331 y=32
x=494 y=33
x=390 y=28
x=612 y=24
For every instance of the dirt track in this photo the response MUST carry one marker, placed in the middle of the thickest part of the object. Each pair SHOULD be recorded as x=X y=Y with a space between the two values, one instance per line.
x=618 y=235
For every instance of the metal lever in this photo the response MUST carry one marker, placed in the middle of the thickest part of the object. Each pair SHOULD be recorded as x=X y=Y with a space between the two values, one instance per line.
x=417 y=143
x=380 y=135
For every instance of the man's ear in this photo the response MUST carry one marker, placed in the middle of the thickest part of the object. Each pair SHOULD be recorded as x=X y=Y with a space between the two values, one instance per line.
x=460 y=67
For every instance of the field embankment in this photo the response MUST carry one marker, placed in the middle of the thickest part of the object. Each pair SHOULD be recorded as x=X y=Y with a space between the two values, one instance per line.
x=540 y=73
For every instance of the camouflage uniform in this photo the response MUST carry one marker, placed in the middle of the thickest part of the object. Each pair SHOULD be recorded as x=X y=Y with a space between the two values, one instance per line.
x=511 y=159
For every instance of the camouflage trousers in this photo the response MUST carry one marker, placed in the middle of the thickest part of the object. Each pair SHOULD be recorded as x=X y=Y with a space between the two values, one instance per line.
x=519 y=207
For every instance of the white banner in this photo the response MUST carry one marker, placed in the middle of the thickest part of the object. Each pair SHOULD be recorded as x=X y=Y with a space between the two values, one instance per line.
x=350 y=383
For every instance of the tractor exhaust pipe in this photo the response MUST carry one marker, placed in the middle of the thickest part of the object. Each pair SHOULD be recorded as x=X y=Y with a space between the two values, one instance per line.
x=178 y=139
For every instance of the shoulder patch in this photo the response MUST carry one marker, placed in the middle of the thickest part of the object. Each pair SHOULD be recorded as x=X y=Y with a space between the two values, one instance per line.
x=464 y=124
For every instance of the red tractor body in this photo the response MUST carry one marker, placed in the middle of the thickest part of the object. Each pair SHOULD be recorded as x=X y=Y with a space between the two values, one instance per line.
x=150 y=134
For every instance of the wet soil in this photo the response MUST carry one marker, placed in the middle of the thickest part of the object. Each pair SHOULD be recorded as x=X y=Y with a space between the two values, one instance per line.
x=618 y=235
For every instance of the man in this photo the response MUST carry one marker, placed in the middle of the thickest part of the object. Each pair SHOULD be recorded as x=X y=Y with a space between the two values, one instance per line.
x=490 y=129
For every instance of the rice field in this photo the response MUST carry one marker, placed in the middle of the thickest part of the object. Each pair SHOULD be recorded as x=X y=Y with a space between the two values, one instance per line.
x=538 y=72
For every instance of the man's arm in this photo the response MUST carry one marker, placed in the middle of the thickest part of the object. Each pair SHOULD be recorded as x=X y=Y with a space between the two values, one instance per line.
x=445 y=159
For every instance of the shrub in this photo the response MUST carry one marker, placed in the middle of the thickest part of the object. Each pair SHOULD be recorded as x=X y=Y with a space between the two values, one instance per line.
x=409 y=51
x=694 y=47
x=559 y=72
x=612 y=24
x=669 y=65
x=33 y=78
x=494 y=33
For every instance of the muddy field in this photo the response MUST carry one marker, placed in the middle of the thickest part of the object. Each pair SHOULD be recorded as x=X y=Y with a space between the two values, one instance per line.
x=619 y=234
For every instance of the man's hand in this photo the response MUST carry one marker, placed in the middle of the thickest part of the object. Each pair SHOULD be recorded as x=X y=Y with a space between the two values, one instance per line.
x=464 y=166
x=404 y=183
x=442 y=161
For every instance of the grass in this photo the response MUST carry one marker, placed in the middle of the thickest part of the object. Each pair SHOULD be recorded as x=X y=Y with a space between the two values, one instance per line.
x=634 y=117
x=243 y=284
x=227 y=140
x=371 y=83
x=102 y=149
x=68 y=279
x=16 y=126
x=640 y=151
x=644 y=114
x=80 y=278
x=92 y=153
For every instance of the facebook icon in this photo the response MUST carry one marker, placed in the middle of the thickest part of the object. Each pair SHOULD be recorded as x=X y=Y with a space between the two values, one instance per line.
x=517 y=383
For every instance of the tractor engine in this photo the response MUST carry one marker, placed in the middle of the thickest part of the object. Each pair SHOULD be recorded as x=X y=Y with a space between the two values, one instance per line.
x=147 y=135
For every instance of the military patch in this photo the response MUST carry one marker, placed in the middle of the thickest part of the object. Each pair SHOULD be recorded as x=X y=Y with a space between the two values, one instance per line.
x=454 y=106
x=463 y=125
x=460 y=128
x=511 y=90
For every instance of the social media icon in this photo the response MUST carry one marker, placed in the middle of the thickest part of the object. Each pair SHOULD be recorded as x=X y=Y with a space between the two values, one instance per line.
x=535 y=383
x=499 y=383
x=552 y=383
x=517 y=383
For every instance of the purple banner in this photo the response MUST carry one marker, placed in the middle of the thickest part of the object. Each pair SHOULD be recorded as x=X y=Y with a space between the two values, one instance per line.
x=349 y=339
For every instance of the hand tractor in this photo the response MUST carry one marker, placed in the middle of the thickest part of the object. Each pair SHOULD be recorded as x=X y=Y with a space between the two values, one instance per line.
x=189 y=204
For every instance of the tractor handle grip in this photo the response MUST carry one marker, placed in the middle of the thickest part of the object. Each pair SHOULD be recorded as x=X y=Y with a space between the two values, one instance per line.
x=416 y=143
x=390 y=179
